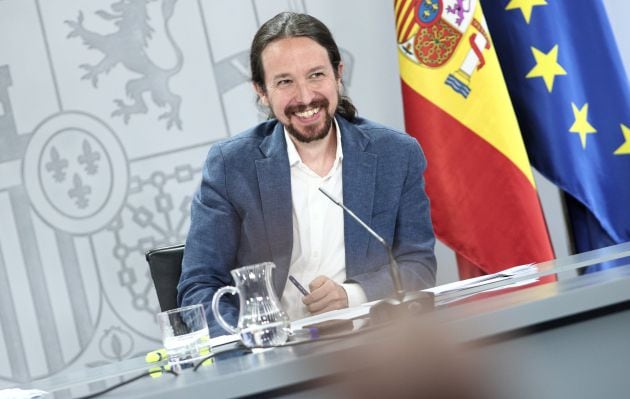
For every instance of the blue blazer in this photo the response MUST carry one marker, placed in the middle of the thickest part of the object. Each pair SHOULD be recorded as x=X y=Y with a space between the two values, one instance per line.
x=241 y=213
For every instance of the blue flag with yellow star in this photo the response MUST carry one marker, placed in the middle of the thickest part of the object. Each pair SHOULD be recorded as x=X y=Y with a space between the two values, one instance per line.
x=571 y=96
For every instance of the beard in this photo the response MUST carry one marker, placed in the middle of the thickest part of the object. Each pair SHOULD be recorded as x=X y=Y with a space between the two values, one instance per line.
x=310 y=133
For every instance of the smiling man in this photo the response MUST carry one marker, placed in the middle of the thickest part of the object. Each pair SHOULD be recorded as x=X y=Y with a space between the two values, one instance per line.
x=259 y=199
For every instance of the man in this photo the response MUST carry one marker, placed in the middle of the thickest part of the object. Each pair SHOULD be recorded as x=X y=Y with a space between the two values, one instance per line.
x=259 y=198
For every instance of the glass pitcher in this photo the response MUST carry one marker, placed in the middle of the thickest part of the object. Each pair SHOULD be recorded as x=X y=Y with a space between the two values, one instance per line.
x=261 y=320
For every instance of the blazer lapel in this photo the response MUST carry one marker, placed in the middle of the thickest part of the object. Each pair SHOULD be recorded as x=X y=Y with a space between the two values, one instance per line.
x=274 y=183
x=359 y=179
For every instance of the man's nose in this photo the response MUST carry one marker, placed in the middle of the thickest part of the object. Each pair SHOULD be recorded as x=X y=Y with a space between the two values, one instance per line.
x=304 y=93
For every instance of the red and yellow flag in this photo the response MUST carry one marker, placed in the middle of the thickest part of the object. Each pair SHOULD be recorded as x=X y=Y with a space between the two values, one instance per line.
x=484 y=202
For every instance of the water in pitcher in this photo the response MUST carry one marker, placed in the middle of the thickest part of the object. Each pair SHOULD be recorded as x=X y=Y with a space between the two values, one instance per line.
x=265 y=335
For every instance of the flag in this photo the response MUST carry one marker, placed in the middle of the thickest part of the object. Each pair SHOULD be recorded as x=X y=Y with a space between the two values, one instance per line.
x=570 y=93
x=484 y=202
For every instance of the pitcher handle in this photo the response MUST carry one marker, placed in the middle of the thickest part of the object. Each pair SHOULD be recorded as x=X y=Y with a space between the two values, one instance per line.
x=215 y=308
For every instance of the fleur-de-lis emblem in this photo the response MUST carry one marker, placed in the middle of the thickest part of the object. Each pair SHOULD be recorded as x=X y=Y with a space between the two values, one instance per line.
x=89 y=158
x=57 y=165
x=80 y=192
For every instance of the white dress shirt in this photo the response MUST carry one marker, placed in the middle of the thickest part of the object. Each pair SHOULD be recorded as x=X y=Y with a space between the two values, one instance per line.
x=318 y=236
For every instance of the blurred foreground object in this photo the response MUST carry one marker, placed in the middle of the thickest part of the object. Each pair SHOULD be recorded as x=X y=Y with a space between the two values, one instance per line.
x=410 y=359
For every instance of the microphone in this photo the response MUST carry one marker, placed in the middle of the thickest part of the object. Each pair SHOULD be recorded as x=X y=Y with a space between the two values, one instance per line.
x=382 y=311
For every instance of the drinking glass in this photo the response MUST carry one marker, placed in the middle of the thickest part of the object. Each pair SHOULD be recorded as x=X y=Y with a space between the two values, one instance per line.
x=185 y=334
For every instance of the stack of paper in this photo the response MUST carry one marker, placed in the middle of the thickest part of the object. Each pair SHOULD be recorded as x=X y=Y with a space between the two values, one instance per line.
x=517 y=271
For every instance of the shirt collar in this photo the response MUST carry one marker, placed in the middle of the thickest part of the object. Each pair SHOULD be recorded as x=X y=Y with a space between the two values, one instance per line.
x=294 y=157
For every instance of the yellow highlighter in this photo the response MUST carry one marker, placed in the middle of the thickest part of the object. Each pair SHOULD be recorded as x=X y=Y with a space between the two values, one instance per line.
x=159 y=355
x=206 y=351
x=154 y=357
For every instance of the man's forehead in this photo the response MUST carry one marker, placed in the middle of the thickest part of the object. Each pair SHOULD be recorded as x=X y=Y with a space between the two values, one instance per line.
x=283 y=55
x=304 y=46
x=318 y=67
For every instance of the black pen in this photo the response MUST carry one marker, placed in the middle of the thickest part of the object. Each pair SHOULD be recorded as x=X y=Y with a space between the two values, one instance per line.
x=298 y=286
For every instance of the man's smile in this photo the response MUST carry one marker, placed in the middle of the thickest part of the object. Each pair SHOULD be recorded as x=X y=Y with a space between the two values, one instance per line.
x=307 y=114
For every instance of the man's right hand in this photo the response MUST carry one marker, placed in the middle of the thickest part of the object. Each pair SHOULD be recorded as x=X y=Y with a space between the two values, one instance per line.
x=326 y=295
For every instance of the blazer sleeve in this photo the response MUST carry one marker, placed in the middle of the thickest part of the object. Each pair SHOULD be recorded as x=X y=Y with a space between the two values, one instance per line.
x=413 y=240
x=212 y=243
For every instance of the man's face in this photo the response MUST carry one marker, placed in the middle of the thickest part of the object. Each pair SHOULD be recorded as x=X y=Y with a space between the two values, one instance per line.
x=302 y=89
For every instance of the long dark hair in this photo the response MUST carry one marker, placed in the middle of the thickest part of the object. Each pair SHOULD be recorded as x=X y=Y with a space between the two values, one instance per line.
x=290 y=24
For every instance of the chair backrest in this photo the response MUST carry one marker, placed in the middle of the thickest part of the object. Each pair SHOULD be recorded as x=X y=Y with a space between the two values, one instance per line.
x=165 y=265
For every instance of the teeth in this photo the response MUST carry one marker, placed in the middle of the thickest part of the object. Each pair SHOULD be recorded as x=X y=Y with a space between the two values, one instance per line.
x=308 y=113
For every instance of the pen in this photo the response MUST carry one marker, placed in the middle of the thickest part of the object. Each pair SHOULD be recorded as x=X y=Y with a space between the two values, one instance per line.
x=298 y=286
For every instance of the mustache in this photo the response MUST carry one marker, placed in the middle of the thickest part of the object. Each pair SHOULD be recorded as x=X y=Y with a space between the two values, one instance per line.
x=316 y=103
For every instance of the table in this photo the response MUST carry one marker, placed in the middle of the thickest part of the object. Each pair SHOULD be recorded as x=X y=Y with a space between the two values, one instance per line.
x=570 y=338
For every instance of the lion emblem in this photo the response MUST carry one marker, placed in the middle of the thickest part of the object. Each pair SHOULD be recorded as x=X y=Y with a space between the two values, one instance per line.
x=126 y=46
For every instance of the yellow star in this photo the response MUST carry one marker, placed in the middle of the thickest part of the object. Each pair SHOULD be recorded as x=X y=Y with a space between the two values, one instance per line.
x=546 y=67
x=525 y=6
x=581 y=125
x=624 y=149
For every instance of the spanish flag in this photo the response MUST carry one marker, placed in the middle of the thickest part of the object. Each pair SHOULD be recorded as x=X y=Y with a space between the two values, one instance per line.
x=484 y=202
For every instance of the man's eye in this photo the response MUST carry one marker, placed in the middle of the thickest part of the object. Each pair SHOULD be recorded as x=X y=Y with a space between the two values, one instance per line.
x=283 y=82
x=317 y=75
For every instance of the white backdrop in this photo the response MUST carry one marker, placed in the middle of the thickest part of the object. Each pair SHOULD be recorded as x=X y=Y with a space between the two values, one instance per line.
x=107 y=109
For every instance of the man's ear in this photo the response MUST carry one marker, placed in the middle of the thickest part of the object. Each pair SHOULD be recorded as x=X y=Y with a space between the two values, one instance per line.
x=339 y=73
x=261 y=94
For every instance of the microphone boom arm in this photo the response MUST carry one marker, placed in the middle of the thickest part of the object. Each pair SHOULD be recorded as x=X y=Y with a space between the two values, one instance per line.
x=394 y=270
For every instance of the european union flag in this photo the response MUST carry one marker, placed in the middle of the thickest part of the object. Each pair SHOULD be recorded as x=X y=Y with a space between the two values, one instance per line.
x=570 y=93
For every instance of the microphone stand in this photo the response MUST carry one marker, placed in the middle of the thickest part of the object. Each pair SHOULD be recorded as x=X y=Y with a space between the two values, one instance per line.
x=403 y=303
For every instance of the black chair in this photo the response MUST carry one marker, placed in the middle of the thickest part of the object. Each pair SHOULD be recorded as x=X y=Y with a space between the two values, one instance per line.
x=165 y=265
